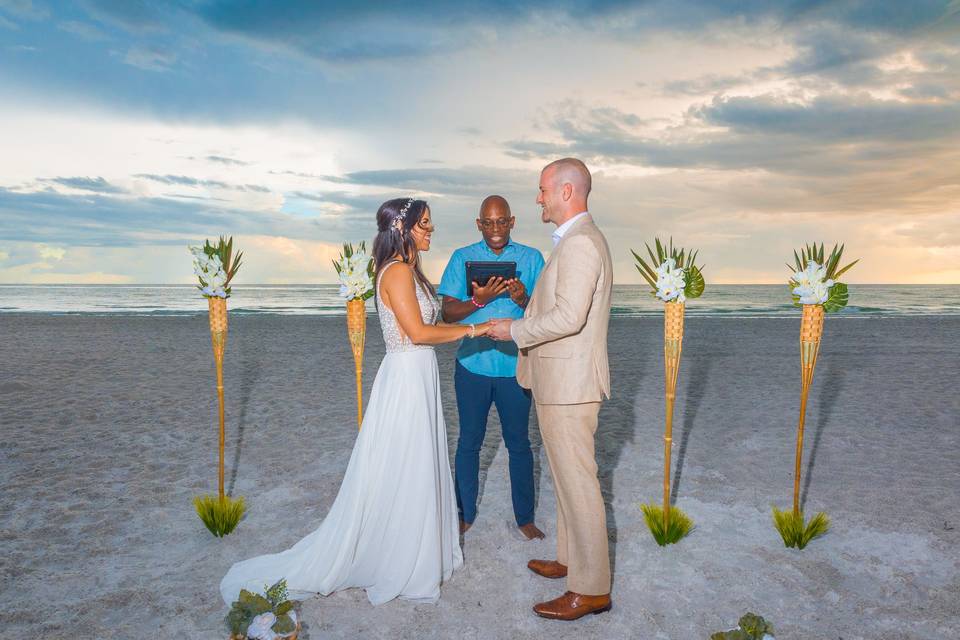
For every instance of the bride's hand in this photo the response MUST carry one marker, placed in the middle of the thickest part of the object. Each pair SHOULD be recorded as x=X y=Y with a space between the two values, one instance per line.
x=482 y=328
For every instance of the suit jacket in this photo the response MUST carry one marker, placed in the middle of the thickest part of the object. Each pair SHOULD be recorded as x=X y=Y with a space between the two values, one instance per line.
x=563 y=333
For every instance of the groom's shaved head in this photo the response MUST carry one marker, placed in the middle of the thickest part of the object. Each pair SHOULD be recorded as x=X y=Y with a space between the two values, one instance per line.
x=572 y=171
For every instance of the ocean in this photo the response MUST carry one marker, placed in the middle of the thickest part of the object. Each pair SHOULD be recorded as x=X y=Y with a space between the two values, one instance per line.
x=735 y=301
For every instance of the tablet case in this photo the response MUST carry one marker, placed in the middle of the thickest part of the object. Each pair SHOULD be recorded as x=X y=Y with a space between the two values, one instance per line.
x=480 y=271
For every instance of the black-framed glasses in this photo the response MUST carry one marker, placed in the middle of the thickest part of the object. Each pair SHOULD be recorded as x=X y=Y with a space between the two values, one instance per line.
x=499 y=222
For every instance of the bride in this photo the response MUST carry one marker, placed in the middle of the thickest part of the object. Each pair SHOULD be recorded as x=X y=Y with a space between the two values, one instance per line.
x=392 y=529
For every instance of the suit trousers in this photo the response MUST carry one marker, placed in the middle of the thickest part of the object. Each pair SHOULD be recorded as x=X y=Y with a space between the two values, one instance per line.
x=568 y=438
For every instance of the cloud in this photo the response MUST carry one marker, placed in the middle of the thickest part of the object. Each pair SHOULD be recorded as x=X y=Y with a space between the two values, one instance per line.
x=466 y=181
x=134 y=16
x=227 y=161
x=7 y=24
x=24 y=9
x=85 y=30
x=48 y=253
x=150 y=58
x=97 y=185
x=822 y=136
x=706 y=84
x=187 y=181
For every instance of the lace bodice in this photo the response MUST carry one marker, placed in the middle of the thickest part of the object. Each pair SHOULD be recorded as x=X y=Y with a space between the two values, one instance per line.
x=392 y=335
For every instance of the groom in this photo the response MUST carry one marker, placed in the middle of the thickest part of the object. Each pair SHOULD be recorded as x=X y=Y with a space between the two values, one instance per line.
x=563 y=359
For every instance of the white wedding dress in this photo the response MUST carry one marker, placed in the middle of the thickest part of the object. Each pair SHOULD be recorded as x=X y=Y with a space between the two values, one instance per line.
x=393 y=528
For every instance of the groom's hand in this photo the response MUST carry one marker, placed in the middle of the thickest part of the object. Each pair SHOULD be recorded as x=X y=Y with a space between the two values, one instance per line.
x=500 y=329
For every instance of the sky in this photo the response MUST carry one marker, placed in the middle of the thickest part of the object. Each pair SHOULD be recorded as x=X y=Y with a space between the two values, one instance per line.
x=130 y=130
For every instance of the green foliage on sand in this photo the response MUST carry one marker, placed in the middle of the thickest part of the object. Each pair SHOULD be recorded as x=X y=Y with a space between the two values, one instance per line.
x=751 y=627
x=219 y=515
x=680 y=524
x=793 y=530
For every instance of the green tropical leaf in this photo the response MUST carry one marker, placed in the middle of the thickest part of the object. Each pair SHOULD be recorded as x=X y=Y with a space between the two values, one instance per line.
x=284 y=624
x=645 y=267
x=255 y=602
x=645 y=271
x=660 y=256
x=755 y=625
x=845 y=269
x=695 y=283
x=653 y=258
x=839 y=296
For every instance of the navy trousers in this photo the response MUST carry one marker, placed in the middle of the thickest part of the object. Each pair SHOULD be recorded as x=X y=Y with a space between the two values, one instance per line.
x=475 y=394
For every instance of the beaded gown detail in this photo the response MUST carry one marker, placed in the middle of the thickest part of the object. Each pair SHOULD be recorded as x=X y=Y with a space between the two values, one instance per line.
x=392 y=529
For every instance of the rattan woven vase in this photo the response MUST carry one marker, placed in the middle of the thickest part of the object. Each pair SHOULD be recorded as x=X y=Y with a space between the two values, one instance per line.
x=357 y=333
x=218 y=334
x=672 y=348
x=811 y=332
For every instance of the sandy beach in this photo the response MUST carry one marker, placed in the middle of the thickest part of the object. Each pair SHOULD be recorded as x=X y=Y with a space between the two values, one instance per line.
x=109 y=429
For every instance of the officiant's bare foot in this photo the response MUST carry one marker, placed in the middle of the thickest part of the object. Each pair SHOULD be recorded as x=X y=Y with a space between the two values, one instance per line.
x=464 y=526
x=531 y=532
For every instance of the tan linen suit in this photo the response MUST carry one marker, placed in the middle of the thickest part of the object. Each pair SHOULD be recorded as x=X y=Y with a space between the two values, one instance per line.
x=563 y=359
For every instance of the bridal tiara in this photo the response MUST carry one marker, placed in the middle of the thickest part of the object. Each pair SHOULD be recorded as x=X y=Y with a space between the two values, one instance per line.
x=398 y=221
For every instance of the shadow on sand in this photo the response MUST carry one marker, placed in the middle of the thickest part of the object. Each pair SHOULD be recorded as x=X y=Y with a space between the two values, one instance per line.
x=694 y=391
x=832 y=382
x=249 y=371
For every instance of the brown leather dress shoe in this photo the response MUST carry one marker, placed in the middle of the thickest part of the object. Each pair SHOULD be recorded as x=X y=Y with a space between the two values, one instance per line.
x=571 y=606
x=548 y=568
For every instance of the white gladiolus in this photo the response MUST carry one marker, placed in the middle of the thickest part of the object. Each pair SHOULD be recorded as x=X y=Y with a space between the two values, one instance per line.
x=355 y=282
x=671 y=282
x=811 y=285
x=210 y=270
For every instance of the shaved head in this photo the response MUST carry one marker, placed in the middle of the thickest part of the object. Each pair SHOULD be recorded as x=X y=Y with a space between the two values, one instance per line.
x=571 y=171
x=564 y=187
x=494 y=203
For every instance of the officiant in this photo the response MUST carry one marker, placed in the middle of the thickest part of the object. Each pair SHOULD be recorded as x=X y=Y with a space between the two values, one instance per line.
x=486 y=369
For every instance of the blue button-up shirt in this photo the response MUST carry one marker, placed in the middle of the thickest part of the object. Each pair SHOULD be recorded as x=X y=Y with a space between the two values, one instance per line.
x=485 y=356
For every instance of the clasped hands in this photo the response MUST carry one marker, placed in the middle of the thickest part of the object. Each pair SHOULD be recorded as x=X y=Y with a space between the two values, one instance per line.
x=500 y=329
x=496 y=328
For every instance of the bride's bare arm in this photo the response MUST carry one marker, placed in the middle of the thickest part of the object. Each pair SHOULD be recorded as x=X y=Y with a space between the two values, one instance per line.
x=398 y=293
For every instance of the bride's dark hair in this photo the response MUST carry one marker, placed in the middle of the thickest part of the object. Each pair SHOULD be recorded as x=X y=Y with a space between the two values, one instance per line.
x=395 y=220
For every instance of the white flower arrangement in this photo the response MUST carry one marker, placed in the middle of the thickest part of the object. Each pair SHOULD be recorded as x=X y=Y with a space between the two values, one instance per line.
x=676 y=277
x=813 y=286
x=815 y=279
x=355 y=270
x=671 y=281
x=215 y=266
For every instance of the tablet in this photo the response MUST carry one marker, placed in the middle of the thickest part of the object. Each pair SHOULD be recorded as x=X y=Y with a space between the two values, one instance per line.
x=481 y=272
